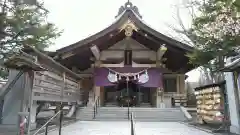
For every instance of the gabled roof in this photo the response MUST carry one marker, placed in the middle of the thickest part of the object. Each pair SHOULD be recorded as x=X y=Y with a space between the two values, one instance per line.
x=79 y=53
x=126 y=13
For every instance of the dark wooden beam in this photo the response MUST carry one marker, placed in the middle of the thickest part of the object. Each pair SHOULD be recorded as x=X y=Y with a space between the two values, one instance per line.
x=175 y=49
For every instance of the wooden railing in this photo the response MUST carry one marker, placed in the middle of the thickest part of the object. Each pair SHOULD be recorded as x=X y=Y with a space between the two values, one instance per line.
x=132 y=124
x=50 y=120
x=8 y=87
x=49 y=86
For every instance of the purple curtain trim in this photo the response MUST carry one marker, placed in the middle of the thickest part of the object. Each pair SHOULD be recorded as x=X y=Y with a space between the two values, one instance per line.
x=100 y=77
x=155 y=76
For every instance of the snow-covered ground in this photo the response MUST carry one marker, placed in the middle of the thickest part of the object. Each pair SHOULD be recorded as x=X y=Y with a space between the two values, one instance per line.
x=123 y=128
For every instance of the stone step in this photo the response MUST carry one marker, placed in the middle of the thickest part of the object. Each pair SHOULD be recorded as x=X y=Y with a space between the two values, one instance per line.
x=149 y=110
x=140 y=114
x=136 y=109
x=143 y=117
x=137 y=116
x=84 y=113
x=111 y=116
x=138 y=120
x=154 y=108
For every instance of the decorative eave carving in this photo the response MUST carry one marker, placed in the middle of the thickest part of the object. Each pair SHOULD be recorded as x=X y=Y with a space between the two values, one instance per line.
x=96 y=52
x=128 y=6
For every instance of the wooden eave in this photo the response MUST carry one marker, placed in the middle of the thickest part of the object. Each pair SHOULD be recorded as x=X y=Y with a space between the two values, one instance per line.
x=220 y=84
x=234 y=66
x=50 y=62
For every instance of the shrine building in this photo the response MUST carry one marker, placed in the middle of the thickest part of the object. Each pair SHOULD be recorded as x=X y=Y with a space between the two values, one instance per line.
x=128 y=63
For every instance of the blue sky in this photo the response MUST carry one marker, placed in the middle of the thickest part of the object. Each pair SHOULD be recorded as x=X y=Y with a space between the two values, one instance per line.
x=81 y=18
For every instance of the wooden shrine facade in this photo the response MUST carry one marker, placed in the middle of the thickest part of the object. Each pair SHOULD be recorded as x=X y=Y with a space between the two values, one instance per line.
x=129 y=42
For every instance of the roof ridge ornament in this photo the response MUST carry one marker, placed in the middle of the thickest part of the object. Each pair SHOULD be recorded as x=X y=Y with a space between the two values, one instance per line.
x=128 y=6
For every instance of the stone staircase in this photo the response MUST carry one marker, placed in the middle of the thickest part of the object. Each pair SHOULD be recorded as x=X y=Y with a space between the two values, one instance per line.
x=158 y=114
x=112 y=113
x=140 y=114
x=84 y=113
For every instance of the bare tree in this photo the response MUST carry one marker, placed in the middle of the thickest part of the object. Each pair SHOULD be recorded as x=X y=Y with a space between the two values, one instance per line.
x=208 y=75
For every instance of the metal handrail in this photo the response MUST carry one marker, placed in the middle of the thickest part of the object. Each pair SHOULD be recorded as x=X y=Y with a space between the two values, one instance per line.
x=132 y=124
x=95 y=107
x=4 y=91
x=47 y=122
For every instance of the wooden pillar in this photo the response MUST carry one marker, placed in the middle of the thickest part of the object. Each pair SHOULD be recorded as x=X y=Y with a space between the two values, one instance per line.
x=180 y=80
x=63 y=85
x=182 y=84
x=102 y=96
x=159 y=91
x=97 y=89
x=178 y=83
x=159 y=94
x=80 y=92
x=99 y=93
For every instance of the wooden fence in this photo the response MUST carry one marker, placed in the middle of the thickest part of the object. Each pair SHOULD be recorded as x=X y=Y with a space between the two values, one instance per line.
x=179 y=100
x=49 y=86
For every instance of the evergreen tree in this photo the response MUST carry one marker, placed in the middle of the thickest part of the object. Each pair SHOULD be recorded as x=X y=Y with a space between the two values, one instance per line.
x=22 y=24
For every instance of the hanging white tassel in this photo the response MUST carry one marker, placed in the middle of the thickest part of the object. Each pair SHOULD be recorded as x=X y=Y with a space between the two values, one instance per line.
x=119 y=77
x=116 y=78
x=134 y=77
x=127 y=78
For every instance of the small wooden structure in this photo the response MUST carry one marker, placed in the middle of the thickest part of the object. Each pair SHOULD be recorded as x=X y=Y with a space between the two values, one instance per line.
x=56 y=83
x=43 y=80
x=211 y=103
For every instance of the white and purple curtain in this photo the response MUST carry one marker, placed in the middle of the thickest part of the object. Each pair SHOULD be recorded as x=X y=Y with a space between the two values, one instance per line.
x=155 y=76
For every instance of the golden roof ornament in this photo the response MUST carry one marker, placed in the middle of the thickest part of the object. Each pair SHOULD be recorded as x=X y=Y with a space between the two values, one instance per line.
x=128 y=31
x=129 y=26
